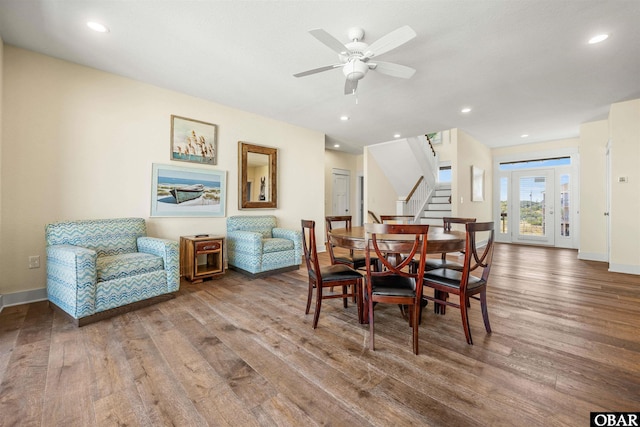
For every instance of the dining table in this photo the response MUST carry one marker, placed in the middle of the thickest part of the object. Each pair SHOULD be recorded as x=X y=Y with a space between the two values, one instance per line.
x=438 y=240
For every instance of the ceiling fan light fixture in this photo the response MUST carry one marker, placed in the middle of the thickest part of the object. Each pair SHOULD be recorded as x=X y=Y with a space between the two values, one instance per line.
x=355 y=70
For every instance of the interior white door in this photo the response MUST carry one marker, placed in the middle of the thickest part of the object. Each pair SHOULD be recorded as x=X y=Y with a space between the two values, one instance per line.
x=533 y=193
x=341 y=184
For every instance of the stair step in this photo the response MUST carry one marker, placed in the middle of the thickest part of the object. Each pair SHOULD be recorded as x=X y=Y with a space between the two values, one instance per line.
x=438 y=207
x=442 y=193
x=436 y=214
x=431 y=221
x=440 y=199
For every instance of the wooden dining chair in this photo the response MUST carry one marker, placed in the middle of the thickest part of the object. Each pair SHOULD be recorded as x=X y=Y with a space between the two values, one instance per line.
x=443 y=262
x=395 y=283
x=477 y=259
x=345 y=278
x=355 y=260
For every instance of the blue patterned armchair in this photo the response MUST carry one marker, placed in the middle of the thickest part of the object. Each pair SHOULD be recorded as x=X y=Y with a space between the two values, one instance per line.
x=257 y=247
x=100 y=268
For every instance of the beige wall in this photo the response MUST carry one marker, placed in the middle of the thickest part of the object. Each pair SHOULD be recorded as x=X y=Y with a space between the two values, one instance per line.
x=470 y=152
x=593 y=192
x=624 y=130
x=80 y=143
x=380 y=196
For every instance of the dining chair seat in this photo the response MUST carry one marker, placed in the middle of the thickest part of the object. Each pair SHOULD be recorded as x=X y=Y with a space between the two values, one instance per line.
x=393 y=285
x=452 y=278
x=356 y=261
x=338 y=272
x=433 y=264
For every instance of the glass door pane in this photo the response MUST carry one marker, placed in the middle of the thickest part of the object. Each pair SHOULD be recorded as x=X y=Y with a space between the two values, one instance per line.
x=565 y=205
x=533 y=215
x=504 y=205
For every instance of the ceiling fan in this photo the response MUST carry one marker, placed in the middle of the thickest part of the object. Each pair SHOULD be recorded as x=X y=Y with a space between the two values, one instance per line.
x=356 y=57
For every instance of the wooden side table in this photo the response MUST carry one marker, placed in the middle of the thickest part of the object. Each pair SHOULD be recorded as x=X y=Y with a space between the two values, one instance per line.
x=201 y=257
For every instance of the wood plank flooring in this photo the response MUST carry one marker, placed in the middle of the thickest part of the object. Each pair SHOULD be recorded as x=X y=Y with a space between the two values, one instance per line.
x=233 y=351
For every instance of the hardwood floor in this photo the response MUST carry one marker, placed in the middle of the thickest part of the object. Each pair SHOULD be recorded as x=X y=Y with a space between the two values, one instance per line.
x=236 y=352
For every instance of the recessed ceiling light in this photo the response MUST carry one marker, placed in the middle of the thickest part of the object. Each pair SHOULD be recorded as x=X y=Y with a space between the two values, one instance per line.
x=397 y=135
x=336 y=145
x=344 y=118
x=524 y=135
x=599 y=38
x=96 y=26
x=465 y=110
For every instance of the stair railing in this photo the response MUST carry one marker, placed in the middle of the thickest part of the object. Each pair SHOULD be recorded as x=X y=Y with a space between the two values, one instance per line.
x=418 y=199
x=416 y=202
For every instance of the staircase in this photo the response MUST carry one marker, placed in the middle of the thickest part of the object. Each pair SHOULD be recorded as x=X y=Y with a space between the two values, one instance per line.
x=439 y=206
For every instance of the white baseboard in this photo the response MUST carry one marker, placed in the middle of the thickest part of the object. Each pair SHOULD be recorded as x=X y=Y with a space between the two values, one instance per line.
x=24 y=297
x=592 y=256
x=622 y=268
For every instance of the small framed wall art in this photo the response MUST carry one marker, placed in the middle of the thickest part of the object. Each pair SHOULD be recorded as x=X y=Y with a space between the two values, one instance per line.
x=194 y=141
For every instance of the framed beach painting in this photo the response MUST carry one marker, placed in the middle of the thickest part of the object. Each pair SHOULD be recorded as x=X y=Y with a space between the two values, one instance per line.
x=193 y=141
x=184 y=191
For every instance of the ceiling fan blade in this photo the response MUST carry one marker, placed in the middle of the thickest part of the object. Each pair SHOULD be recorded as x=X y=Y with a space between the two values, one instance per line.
x=329 y=41
x=390 y=41
x=317 y=70
x=350 y=86
x=390 y=69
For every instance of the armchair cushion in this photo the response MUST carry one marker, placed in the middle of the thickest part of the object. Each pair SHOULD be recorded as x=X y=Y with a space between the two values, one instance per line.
x=276 y=245
x=118 y=266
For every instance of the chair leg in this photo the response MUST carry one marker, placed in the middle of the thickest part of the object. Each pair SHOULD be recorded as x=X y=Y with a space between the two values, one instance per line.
x=443 y=296
x=309 y=297
x=359 y=303
x=371 y=344
x=485 y=312
x=345 y=300
x=436 y=305
x=415 y=311
x=316 y=314
x=465 y=318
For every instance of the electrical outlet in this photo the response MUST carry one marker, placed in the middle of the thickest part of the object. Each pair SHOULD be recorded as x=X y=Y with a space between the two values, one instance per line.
x=34 y=261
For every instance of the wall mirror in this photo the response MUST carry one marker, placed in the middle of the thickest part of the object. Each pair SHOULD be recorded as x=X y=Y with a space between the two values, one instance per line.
x=257 y=176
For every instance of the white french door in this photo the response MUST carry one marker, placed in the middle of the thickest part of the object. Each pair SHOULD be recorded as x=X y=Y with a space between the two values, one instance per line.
x=533 y=195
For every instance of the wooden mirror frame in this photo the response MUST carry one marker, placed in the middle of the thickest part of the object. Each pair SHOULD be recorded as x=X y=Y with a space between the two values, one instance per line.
x=244 y=149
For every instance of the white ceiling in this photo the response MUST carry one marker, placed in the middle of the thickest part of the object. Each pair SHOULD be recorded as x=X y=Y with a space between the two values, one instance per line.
x=524 y=66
